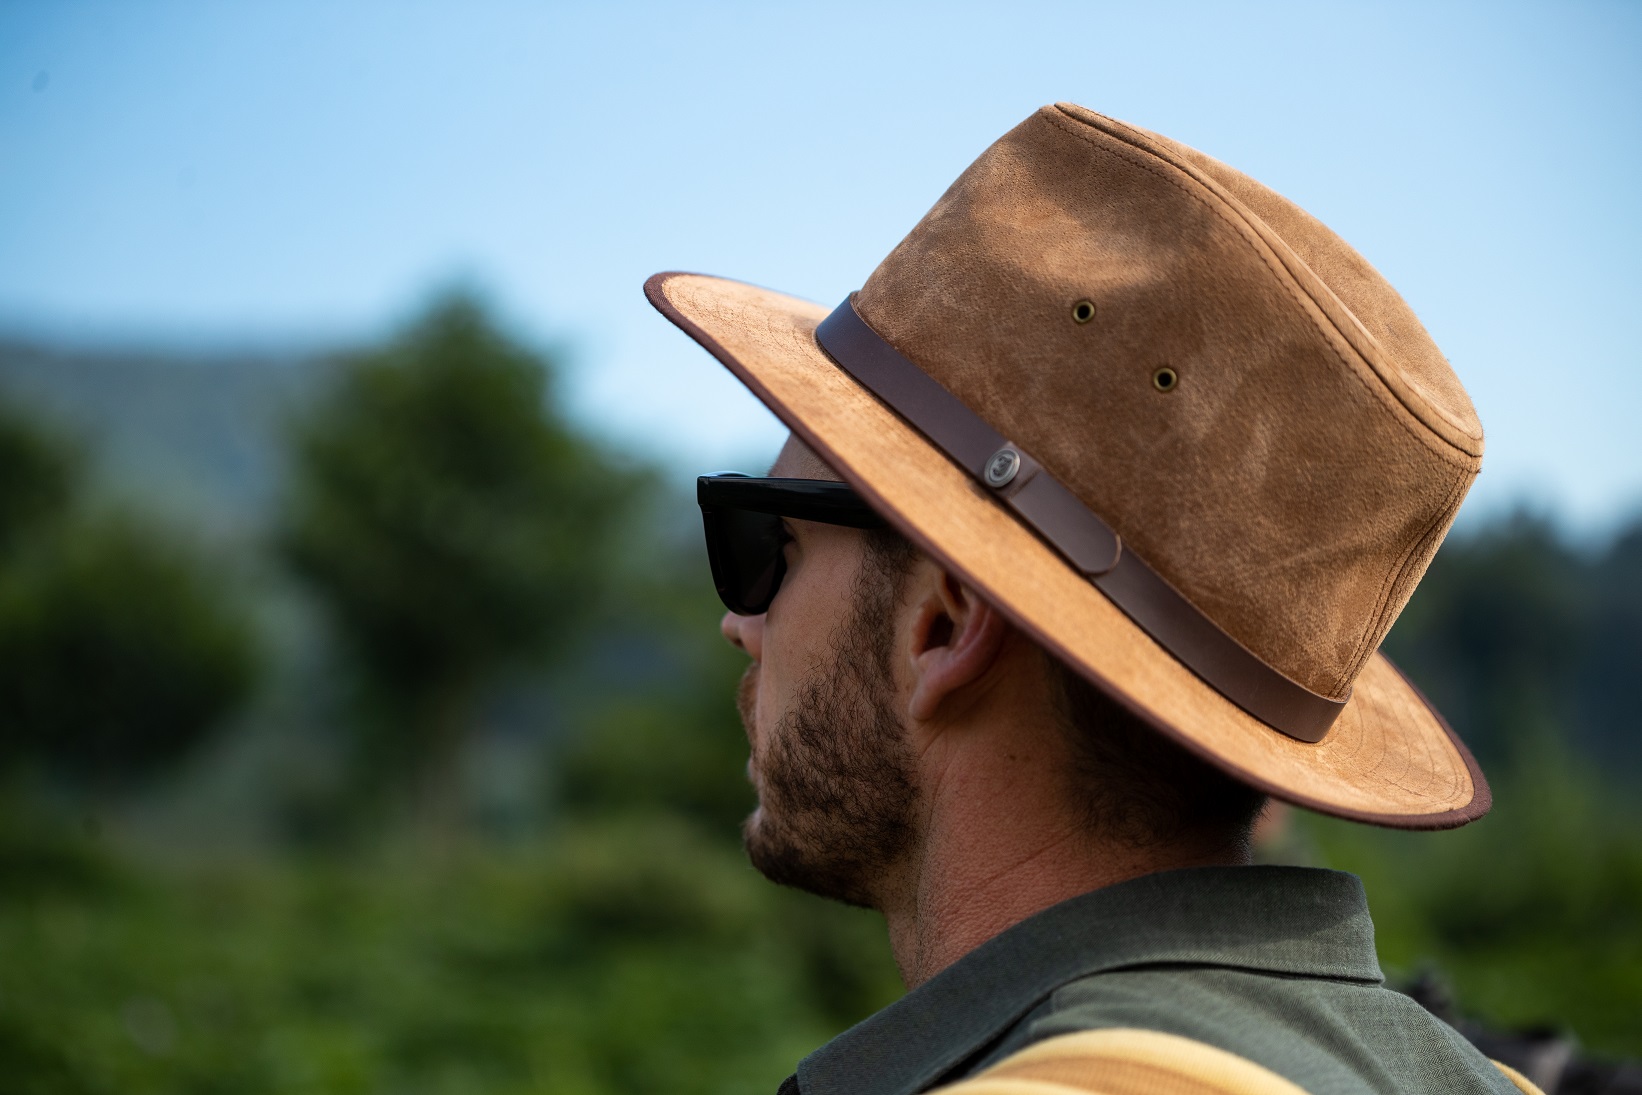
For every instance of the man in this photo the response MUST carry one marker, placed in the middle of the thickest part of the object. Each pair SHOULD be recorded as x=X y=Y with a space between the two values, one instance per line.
x=1101 y=495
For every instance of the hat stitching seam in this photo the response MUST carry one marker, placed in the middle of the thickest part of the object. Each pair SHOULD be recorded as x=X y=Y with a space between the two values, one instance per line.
x=1349 y=670
x=1394 y=575
x=1422 y=434
x=1138 y=140
x=1389 y=583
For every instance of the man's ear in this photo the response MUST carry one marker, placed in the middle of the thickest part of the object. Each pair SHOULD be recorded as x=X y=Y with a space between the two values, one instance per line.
x=956 y=638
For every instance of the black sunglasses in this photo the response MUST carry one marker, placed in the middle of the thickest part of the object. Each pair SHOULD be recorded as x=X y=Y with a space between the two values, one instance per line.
x=742 y=516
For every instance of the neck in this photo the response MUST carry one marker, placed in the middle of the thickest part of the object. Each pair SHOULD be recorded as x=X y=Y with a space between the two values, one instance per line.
x=999 y=845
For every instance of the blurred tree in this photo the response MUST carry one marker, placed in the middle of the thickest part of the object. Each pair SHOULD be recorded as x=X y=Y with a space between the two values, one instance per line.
x=667 y=741
x=36 y=477
x=1607 y=692
x=1531 y=914
x=454 y=526
x=119 y=651
x=1497 y=632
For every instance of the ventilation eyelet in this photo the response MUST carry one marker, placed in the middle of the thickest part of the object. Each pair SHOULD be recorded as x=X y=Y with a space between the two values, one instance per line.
x=1165 y=379
x=1083 y=311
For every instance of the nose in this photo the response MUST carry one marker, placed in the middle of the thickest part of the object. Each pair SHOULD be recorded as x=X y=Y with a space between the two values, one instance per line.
x=745 y=633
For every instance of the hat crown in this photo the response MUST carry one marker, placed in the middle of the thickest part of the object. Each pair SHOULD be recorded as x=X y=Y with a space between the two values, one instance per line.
x=1250 y=404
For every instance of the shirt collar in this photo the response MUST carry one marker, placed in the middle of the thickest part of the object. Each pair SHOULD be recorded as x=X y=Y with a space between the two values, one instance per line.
x=1288 y=920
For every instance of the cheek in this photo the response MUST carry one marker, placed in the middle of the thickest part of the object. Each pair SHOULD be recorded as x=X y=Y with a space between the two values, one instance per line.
x=769 y=696
x=760 y=700
x=796 y=633
x=789 y=646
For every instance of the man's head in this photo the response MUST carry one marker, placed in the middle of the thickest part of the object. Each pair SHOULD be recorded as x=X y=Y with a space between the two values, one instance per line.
x=878 y=677
x=1137 y=412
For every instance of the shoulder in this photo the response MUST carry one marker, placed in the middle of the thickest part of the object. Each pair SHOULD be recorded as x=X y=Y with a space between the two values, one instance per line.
x=1327 y=1037
x=1121 y=1061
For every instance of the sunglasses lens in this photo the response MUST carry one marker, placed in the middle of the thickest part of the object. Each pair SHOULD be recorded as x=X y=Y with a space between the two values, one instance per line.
x=745 y=551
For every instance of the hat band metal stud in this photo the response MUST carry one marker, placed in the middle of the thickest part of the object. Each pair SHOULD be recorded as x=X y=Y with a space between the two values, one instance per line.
x=1002 y=467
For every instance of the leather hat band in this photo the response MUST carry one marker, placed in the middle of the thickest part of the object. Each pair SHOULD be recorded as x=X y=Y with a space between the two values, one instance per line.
x=1050 y=509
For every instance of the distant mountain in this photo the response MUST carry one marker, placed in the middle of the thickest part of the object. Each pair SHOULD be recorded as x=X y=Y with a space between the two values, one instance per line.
x=193 y=434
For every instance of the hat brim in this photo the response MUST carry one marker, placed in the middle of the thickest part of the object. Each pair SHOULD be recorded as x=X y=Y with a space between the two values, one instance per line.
x=1389 y=759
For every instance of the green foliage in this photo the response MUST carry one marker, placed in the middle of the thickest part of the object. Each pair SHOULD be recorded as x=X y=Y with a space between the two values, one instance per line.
x=1606 y=699
x=648 y=755
x=117 y=653
x=618 y=958
x=451 y=523
x=36 y=478
x=1531 y=914
x=447 y=517
x=672 y=744
x=1521 y=641
x=119 y=650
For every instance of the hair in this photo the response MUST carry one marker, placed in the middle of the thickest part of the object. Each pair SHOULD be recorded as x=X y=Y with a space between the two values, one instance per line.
x=1138 y=786
x=1132 y=783
x=889 y=556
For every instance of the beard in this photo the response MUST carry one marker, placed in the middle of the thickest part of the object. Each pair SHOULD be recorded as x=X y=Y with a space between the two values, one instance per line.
x=837 y=793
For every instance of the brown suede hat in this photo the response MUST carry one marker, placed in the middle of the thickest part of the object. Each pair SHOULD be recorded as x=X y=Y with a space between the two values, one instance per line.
x=1168 y=423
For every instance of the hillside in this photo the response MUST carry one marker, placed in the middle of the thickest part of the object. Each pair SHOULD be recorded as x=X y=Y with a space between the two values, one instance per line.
x=194 y=435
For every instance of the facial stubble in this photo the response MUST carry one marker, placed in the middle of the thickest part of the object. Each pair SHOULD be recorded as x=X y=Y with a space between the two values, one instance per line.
x=837 y=786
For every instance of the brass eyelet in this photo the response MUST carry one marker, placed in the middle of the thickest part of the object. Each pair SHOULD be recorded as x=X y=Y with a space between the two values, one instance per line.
x=1083 y=311
x=1165 y=379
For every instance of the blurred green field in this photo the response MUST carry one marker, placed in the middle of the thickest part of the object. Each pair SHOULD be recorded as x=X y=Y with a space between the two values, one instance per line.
x=627 y=957
x=640 y=954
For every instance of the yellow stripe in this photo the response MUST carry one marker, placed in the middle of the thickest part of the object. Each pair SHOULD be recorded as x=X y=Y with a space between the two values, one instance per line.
x=1124 y=1062
x=984 y=1086
x=1524 y=1085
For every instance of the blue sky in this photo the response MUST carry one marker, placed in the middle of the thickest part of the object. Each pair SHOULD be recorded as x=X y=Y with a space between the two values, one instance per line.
x=236 y=172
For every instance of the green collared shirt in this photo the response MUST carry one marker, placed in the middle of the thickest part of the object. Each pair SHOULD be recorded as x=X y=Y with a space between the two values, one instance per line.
x=1275 y=964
